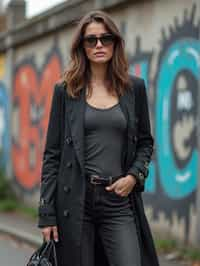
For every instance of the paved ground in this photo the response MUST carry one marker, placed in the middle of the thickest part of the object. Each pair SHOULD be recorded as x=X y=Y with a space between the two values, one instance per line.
x=25 y=229
x=13 y=252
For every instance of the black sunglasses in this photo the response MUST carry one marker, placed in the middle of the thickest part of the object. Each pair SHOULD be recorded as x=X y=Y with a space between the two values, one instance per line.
x=105 y=39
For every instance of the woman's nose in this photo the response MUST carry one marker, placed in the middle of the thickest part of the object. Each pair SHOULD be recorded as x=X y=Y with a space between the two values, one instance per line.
x=98 y=43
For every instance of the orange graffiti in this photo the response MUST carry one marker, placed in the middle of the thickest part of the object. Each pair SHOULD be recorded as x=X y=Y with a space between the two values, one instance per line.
x=31 y=106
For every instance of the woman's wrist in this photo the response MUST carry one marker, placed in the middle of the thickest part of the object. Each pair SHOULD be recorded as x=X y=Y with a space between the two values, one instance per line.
x=132 y=177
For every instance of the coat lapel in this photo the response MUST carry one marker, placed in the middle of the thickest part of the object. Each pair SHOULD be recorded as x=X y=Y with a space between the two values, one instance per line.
x=75 y=109
x=127 y=104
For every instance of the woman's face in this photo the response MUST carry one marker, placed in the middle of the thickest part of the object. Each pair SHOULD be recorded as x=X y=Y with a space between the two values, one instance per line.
x=98 y=51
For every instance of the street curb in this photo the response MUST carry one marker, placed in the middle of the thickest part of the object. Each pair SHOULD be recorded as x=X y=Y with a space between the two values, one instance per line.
x=21 y=235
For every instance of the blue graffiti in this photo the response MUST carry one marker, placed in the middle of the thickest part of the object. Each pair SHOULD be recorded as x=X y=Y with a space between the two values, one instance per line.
x=4 y=126
x=181 y=55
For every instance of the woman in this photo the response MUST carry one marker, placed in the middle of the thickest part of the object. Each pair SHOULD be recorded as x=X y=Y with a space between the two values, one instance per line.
x=96 y=156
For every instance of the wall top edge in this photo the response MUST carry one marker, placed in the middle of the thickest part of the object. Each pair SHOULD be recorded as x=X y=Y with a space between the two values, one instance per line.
x=55 y=18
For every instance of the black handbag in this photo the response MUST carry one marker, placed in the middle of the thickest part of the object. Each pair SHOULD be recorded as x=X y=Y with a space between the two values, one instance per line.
x=44 y=255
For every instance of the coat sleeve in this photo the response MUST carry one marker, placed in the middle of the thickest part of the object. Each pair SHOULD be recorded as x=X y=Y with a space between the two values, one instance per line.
x=145 y=141
x=50 y=163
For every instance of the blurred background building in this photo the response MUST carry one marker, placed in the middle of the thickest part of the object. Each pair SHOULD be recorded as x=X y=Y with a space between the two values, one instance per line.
x=163 y=46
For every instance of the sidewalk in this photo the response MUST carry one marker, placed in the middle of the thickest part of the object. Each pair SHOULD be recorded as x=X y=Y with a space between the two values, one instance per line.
x=25 y=229
x=20 y=226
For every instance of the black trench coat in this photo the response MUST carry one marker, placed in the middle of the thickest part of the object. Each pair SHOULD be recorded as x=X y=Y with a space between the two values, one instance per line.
x=63 y=176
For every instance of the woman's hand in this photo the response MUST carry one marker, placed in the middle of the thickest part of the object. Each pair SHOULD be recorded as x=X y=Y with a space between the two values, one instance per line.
x=123 y=185
x=47 y=231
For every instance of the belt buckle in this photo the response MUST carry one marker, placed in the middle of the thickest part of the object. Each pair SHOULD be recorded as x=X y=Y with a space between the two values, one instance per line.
x=92 y=181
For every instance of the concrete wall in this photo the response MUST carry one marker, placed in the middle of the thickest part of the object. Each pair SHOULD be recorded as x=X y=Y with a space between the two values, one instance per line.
x=163 y=45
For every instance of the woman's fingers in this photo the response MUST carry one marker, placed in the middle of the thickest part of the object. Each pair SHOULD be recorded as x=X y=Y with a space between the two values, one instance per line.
x=47 y=231
x=55 y=233
x=112 y=186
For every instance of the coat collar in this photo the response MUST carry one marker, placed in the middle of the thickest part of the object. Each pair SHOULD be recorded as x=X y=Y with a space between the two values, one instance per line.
x=75 y=109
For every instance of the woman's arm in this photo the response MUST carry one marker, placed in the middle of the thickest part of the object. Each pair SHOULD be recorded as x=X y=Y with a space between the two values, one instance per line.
x=50 y=164
x=145 y=141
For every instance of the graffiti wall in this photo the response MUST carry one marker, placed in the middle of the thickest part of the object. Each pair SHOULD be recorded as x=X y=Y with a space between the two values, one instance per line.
x=4 y=116
x=173 y=93
x=163 y=47
x=31 y=99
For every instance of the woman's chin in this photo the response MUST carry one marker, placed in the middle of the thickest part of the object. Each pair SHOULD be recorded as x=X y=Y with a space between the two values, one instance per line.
x=100 y=61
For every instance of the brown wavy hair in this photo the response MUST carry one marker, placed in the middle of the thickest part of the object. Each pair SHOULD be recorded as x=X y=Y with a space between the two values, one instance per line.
x=78 y=74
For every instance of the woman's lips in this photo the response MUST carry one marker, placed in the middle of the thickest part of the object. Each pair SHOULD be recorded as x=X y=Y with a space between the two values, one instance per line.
x=99 y=54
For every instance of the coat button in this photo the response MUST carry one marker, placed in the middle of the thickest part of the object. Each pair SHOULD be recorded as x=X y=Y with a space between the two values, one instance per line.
x=134 y=139
x=66 y=213
x=42 y=201
x=141 y=175
x=67 y=189
x=68 y=140
x=69 y=164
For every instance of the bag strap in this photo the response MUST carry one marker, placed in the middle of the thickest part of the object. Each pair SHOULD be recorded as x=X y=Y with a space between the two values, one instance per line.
x=54 y=254
x=38 y=252
x=50 y=248
x=47 y=248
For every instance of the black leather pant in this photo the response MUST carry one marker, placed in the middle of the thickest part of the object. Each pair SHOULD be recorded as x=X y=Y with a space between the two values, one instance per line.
x=111 y=215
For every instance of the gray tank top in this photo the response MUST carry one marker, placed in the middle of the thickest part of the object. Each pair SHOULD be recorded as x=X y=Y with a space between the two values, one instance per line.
x=105 y=131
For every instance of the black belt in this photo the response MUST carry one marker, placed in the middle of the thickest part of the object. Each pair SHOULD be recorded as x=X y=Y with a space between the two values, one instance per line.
x=100 y=180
